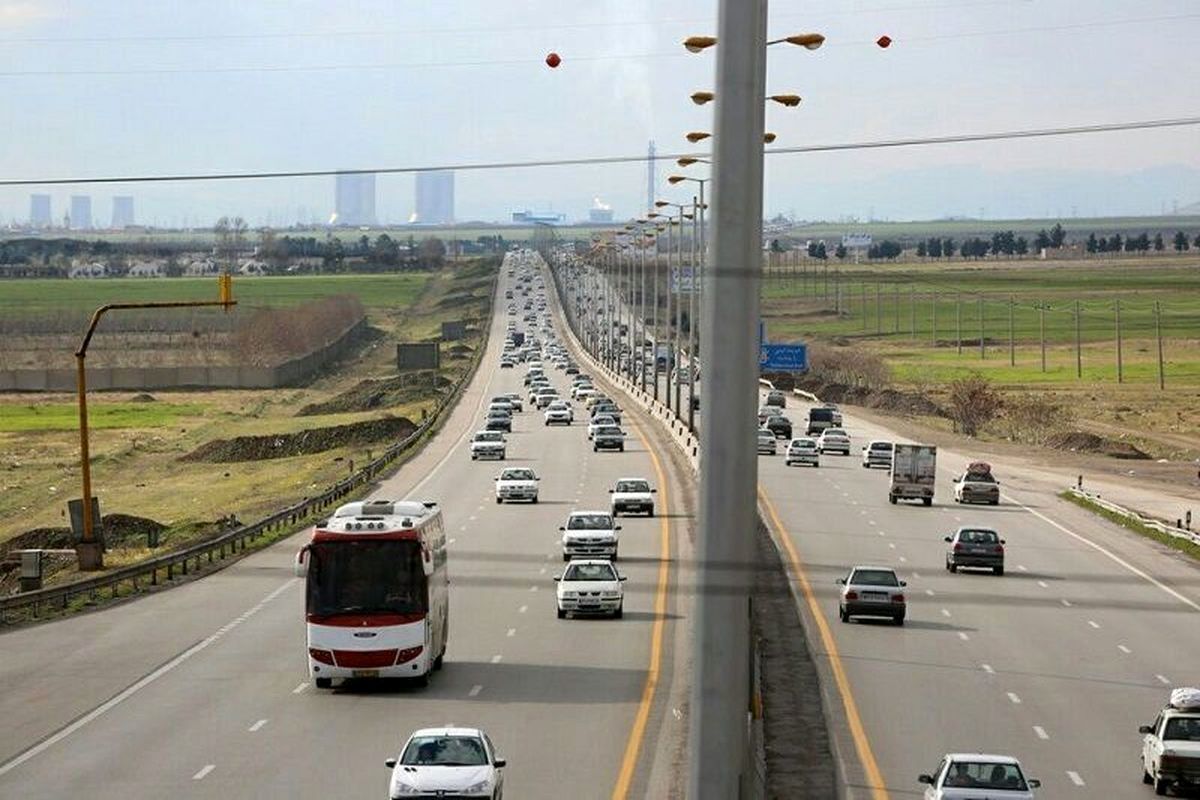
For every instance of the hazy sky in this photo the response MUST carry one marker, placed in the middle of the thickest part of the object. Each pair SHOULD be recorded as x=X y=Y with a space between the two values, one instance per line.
x=140 y=86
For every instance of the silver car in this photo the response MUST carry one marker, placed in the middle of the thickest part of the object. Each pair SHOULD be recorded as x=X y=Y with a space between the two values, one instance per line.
x=802 y=451
x=872 y=592
x=766 y=442
x=835 y=440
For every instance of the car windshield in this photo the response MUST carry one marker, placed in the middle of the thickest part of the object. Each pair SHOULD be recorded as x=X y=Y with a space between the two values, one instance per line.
x=763 y=433
x=1182 y=729
x=834 y=432
x=881 y=446
x=609 y=430
x=978 y=537
x=601 y=420
x=985 y=775
x=517 y=475
x=804 y=444
x=633 y=486
x=590 y=572
x=444 y=751
x=874 y=577
x=979 y=477
x=489 y=436
x=589 y=522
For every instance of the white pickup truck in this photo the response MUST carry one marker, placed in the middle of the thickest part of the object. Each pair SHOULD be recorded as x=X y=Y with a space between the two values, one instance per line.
x=1171 y=745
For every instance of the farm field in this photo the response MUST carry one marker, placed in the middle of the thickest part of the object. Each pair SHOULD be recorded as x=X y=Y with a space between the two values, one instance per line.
x=960 y=228
x=137 y=444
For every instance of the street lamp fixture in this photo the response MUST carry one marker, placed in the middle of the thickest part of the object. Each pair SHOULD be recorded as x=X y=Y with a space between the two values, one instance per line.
x=789 y=100
x=697 y=136
x=687 y=161
x=768 y=137
x=700 y=98
x=696 y=44
x=809 y=41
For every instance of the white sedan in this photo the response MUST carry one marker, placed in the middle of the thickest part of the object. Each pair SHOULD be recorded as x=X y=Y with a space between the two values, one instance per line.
x=633 y=495
x=488 y=444
x=600 y=421
x=835 y=440
x=517 y=483
x=590 y=586
x=965 y=776
x=559 y=413
x=447 y=762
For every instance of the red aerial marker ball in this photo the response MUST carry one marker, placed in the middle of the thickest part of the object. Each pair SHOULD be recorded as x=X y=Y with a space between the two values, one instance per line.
x=884 y=41
x=553 y=60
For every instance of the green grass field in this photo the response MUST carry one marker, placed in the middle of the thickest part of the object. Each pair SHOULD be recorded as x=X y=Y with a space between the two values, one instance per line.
x=961 y=228
x=65 y=416
x=42 y=295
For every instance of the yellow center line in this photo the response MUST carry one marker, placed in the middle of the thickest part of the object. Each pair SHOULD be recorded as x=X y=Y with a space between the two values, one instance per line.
x=637 y=733
x=861 y=744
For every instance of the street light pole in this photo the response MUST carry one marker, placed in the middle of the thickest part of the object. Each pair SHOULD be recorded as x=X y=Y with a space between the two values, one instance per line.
x=692 y=287
x=669 y=280
x=720 y=692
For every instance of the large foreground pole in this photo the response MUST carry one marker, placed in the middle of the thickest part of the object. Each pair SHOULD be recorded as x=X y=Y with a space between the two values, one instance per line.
x=720 y=692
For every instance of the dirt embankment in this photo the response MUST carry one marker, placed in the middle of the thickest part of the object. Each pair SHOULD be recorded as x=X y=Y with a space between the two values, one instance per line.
x=117 y=530
x=316 y=440
x=1084 y=442
x=373 y=393
x=835 y=392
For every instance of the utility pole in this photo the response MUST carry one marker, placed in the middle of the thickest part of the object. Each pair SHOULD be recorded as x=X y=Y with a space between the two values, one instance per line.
x=1012 y=345
x=878 y=308
x=656 y=338
x=641 y=343
x=720 y=691
x=670 y=280
x=958 y=321
x=1120 y=365
x=1078 y=345
x=933 y=320
x=982 y=350
x=1042 y=331
x=912 y=307
x=1162 y=383
x=896 y=305
x=863 y=286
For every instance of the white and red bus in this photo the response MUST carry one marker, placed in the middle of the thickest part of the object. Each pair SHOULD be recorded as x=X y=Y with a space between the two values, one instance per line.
x=377 y=598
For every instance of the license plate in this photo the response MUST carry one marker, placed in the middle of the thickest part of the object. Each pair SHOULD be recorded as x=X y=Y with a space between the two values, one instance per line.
x=875 y=596
x=365 y=673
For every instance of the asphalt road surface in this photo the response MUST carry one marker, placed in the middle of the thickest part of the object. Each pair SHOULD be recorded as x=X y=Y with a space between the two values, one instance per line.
x=202 y=691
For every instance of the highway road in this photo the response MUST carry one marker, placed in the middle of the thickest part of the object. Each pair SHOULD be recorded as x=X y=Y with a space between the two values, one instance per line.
x=1056 y=662
x=201 y=691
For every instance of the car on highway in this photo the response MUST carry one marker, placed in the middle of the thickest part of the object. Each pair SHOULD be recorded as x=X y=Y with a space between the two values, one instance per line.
x=599 y=421
x=498 y=421
x=977 y=485
x=507 y=363
x=766 y=442
x=590 y=534
x=1171 y=744
x=872 y=592
x=776 y=398
x=559 y=413
x=608 y=437
x=532 y=375
x=976 y=776
x=517 y=483
x=488 y=444
x=545 y=396
x=779 y=425
x=834 y=440
x=583 y=392
x=632 y=496
x=877 y=453
x=802 y=451
x=447 y=762
x=500 y=404
x=515 y=399
x=590 y=586
x=818 y=420
x=765 y=413
x=975 y=547
x=835 y=414
x=610 y=408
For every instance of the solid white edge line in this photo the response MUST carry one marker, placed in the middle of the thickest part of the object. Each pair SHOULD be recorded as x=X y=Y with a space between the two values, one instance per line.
x=1187 y=601
x=133 y=689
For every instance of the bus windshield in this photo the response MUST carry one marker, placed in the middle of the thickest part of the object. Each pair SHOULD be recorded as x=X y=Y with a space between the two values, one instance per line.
x=357 y=577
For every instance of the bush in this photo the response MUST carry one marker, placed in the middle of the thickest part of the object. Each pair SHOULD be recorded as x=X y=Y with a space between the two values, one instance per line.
x=1034 y=418
x=850 y=367
x=973 y=403
x=273 y=335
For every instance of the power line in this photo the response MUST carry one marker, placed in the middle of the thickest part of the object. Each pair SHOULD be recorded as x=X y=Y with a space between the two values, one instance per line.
x=1112 y=127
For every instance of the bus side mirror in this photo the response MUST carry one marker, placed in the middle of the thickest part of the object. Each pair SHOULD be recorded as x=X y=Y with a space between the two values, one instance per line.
x=300 y=567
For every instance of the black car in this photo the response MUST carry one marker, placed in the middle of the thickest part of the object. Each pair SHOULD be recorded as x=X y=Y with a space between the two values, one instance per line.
x=609 y=438
x=780 y=425
x=975 y=547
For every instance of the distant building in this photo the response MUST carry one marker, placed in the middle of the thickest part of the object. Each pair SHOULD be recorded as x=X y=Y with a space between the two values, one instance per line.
x=355 y=201
x=544 y=217
x=147 y=269
x=39 y=211
x=122 y=216
x=600 y=212
x=435 y=198
x=81 y=212
x=89 y=270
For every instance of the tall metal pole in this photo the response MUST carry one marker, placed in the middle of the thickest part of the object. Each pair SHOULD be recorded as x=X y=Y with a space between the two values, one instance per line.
x=656 y=338
x=697 y=290
x=670 y=280
x=720 y=691
x=679 y=325
x=1078 y=345
x=1162 y=378
x=933 y=320
x=958 y=322
x=642 y=312
x=1012 y=336
x=1042 y=331
x=1120 y=366
x=982 y=334
x=691 y=345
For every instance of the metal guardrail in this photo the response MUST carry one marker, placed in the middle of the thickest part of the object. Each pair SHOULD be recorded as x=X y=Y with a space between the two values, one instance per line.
x=1149 y=522
x=192 y=558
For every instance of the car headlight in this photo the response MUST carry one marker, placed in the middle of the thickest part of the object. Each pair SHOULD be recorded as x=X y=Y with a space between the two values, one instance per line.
x=403 y=789
x=612 y=595
x=569 y=595
x=481 y=786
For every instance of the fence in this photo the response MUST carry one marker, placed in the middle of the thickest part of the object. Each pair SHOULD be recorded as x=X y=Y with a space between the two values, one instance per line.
x=228 y=544
x=1186 y=534
x=1102 y=336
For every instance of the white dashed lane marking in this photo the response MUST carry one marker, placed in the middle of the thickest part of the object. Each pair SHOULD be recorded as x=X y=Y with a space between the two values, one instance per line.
x=257 y=726
x=475 y=690
x=1093 y=623
x=962 y=635
x=1065 y=602
x=511 y=632
x=207 y=768
x=1075 y=779
x=988 y=669
x=1043 y=584
x=1163 y=679
x=945 y=612
x=1040 y=732
x=1124 y=649
x=522 y=609
x=300 y=688
x=496 y=658
x=1014 y=698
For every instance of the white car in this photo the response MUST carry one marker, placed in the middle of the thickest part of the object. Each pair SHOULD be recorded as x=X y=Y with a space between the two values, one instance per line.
x=971 y=776
x=802 y=451
x=488 y=444
x=834 y=439
x=515 y=399
x=589 y=534
x=877 y=453
x=766 y=442
x=545 y=397
x=633 y=496
x=517 y=483
x=583 y=392
x=590 y=586
x=447 y=762
x=1171 y=745
x=500 y=405
x=558 y=413
x=600 y=421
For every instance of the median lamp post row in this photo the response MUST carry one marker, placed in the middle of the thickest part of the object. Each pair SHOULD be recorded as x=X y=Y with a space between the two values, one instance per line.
x=90 y=549
x=722 y=692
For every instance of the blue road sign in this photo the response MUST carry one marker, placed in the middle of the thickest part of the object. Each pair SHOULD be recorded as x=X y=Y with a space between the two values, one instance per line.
x=783 y=357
